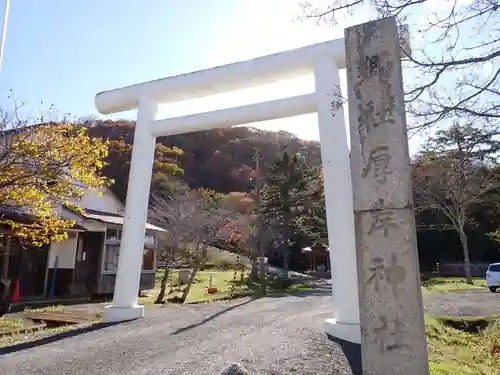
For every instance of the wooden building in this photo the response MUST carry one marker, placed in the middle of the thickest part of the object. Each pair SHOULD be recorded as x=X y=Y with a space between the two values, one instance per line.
x=319 y=257
x=83 y=265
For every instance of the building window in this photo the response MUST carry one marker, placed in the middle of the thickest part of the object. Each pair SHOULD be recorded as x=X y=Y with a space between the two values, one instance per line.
x=149 y=239
x=112 y=250
x=80 y=255
x=111 y=257
x=113 y=234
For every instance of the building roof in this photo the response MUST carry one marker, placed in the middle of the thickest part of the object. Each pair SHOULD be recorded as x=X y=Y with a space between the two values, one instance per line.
x=317 y=247
x=17 y=214
x=21 y=129
x=9 y=212
x=110 y=218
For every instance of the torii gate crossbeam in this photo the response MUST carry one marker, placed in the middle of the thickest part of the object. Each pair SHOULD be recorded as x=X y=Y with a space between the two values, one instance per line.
x=323 y=60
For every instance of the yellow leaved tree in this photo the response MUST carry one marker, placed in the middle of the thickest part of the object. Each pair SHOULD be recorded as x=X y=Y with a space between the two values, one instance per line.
x=42 y=167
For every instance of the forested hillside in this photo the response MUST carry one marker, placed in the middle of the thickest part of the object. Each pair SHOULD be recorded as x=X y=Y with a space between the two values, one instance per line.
x=223 y=160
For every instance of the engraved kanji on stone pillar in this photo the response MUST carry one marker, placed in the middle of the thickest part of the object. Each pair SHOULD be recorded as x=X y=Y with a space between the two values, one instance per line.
x=392 y=323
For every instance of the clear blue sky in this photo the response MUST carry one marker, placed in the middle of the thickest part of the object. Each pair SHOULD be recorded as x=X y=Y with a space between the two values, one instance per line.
x=63 y=52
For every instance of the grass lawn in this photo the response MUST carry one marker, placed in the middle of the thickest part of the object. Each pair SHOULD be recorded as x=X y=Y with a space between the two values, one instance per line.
x=447 y=284
x=220 y=279
x=223 y=280
x=469 y=346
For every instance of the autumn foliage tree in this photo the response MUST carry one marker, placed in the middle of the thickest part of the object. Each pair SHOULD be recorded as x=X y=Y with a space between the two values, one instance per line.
x=119 y=134
x=42 y=167
x=195 y=220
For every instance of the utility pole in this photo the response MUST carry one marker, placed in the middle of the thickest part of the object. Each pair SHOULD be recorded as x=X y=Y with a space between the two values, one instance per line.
x=257 y=177
x=4 y=29
x=260 y=249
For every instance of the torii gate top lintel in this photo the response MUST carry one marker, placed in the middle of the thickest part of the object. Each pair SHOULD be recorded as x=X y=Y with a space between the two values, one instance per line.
x=239 y=75
x=323 y=60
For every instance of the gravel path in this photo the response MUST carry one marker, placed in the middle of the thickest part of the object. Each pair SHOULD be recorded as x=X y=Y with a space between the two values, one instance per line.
x=472 y=302
x=270 y=336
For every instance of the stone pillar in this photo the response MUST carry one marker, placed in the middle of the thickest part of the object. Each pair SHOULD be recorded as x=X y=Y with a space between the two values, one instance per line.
x=392 y=323
x=344 y=323
x=128 y=276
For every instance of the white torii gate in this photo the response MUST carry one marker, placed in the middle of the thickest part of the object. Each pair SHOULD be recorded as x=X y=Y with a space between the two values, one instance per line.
x=324 y=60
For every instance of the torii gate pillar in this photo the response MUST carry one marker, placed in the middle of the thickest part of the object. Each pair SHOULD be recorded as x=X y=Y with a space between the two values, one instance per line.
x=324 y=60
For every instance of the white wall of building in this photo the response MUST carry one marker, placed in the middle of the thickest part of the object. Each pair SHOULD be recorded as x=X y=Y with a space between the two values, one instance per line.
x=106 y=202
x=65 y=250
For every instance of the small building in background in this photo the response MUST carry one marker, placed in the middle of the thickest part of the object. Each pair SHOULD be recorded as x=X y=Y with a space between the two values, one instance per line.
x=319 y=257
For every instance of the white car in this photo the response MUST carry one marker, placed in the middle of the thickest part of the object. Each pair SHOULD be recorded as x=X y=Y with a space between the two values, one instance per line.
x=493 y=277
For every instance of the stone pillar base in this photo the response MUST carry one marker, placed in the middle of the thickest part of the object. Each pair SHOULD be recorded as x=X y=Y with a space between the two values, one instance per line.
x=344 y=331
x=121 y=314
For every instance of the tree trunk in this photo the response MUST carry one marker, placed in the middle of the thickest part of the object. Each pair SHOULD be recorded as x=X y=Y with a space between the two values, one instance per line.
x=286 y=248
x=286 y=262
x=5 y=271
x=262 y=268
x=465 y=248
x=253 y=272
x=196 y=268
x=163 y=285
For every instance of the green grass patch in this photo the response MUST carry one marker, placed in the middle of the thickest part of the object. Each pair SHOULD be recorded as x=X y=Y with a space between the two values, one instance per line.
x=273 y=284
x=224 y=281
x=463 y=346
x=298 y=286
x=448 y=284
x=221 y=279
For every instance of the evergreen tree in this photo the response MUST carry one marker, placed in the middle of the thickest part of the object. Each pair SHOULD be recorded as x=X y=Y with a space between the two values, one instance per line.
x=311 y=221
x=283 y=198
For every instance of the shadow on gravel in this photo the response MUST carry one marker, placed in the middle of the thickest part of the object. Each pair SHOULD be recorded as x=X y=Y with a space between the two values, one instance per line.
x=53 y=338
x=352 y=353
x=314 y=291
x=191 y=326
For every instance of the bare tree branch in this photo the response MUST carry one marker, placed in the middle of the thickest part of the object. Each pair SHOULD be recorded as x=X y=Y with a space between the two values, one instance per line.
x=457 y=172
x=453 y=71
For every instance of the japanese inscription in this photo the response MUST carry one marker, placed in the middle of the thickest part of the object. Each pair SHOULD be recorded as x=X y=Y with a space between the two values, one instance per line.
x=374 y=112
x=371 y=63
x=383 y=219
x=366 y=116
x=377 y=270
x=391 y=335
x=379 y=160
x=392 y=273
